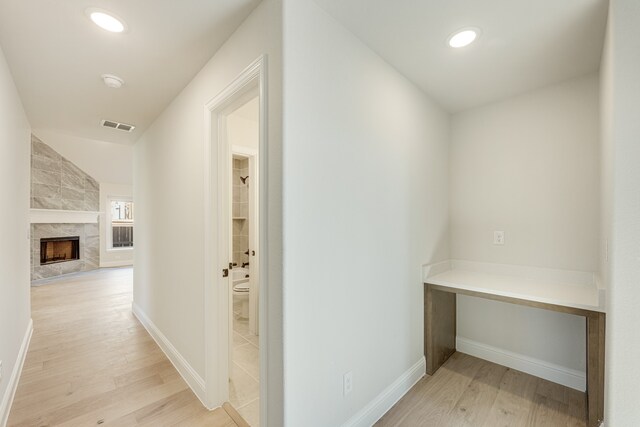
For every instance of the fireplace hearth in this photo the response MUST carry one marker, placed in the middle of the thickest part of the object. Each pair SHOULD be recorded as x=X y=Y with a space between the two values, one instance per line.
x=59 y=249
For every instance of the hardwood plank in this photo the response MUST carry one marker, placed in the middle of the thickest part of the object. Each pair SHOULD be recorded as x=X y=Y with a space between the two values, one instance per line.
x=514 y=400
x=235 y=416
x=577 y=408
x=491 y=396
x=419 y=393
x=218 y=418
x=156 y=412
x=547 y=412
x=90 y=361
x=474 y=405
x=437 y=394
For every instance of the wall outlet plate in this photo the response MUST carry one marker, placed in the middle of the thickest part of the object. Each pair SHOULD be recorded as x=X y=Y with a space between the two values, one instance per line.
x=347 y=383
x=498 y=237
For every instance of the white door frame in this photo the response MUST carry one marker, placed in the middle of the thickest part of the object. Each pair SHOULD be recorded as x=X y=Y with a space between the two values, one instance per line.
x=217 y=224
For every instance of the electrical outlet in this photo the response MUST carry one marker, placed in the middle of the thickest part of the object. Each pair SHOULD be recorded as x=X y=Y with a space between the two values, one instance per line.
x=498 y=237
x=347 y=383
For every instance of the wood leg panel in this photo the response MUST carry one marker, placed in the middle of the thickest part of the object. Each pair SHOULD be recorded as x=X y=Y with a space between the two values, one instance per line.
x=439 y=327
x=595 y=368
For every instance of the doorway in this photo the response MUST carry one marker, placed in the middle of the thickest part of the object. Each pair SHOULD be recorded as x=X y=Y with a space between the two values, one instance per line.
x=244 y=347
x=235 y=281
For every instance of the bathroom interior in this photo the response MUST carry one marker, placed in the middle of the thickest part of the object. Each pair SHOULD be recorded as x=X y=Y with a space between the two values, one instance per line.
x=244 y=372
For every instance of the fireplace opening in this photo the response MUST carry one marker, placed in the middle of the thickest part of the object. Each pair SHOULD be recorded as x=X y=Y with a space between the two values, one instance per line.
x=59 y=249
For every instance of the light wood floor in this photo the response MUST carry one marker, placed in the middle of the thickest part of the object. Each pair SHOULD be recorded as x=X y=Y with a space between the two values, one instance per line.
x=467 y=391
x=91 y=363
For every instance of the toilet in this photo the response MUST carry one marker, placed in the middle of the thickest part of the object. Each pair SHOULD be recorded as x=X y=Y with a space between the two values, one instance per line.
x=241 y=294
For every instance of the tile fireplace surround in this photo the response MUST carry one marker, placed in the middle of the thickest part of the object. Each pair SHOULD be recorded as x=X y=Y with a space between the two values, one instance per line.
x=89 y=249
x=60 y=194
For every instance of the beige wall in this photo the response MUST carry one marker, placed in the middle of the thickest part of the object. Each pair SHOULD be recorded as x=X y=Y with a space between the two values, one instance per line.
x=169 y=200
x=104 y=161
x=242 y=125
x=621 y=206
x=15 y=312
x=366 y=204
x=528 y=166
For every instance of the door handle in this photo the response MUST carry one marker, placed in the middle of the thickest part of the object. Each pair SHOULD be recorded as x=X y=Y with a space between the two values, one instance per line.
x=225 y=271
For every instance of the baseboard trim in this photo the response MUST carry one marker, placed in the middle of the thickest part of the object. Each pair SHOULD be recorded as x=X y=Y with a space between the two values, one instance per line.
x=110 y=264
x=539 y=368
x=195 y=381
x=7 y=399
x=389 y=397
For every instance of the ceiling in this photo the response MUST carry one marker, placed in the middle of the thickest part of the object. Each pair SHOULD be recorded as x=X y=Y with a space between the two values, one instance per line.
x=524 y=45
x=57 y=55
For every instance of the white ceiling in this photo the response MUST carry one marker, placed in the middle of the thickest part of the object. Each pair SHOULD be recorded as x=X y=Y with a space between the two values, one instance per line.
x=56 y=55
x=525 y=44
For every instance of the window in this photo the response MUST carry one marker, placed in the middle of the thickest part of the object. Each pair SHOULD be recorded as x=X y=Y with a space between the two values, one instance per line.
x=121 y=224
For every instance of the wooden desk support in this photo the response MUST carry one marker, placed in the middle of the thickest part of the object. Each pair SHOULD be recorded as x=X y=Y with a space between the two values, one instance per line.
x=440 y=337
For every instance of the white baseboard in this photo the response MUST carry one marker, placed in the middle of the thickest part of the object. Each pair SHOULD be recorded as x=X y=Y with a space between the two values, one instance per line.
x=539 y=368
x=118 y=263
x=7 y=399
x=187 y=372
x=389 y=396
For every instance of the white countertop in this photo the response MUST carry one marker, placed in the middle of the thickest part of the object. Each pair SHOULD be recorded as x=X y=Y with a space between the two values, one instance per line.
x=559 y=287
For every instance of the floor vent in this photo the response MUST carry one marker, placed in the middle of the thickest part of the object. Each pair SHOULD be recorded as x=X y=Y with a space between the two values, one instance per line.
x=115 y=125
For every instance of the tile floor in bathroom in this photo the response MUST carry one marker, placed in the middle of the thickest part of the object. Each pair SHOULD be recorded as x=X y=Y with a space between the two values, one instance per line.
x=244 y=384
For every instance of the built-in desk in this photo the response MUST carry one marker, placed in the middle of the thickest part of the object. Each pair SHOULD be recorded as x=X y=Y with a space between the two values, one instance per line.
x=556 y=290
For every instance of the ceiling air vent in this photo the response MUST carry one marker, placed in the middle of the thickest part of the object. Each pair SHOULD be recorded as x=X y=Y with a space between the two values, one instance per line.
x=120 y=126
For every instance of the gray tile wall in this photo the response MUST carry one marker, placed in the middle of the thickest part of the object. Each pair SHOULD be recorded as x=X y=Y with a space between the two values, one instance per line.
x=240 y=210
x=89 y=249
x=56 y=183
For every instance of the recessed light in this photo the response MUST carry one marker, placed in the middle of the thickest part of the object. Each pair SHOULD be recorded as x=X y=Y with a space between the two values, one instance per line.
x=106 y=20
x=463 y=37
x=112 y=81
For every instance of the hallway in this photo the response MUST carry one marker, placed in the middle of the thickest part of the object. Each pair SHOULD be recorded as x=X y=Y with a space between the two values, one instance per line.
x=90 y=362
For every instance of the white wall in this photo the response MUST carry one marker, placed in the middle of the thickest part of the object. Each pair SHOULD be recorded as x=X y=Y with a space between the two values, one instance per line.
x=104 y=161
x=365 y=205
x=15 y=311
x=169 y=201
x=243 y=126
x=243 y=132
x=621 y=174
x=120 y=256
x=528 y=166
